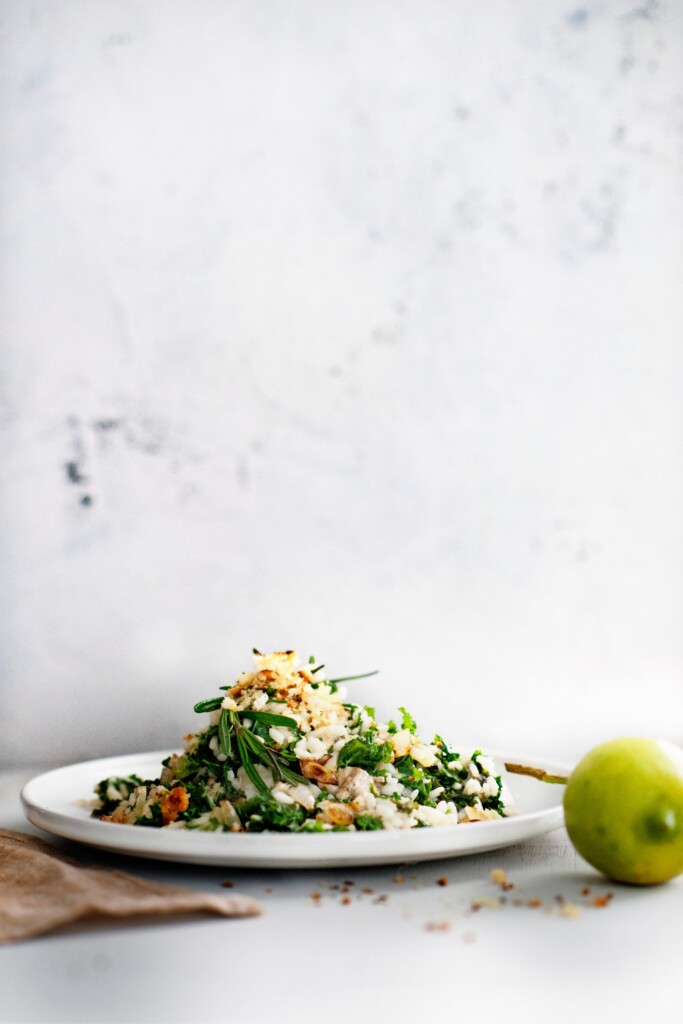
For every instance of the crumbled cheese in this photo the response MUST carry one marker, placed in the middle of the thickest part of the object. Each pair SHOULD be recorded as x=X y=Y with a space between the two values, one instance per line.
x=282 y=797
x=401 y=742
x=424 y=754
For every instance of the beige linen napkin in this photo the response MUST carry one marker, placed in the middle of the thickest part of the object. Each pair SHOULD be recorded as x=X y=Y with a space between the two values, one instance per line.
x=42 y=889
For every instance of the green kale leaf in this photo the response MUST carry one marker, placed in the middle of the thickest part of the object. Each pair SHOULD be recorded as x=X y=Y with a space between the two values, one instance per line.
x=364 y=753
x=367 y=822
x=407 y=721
x=261 y=813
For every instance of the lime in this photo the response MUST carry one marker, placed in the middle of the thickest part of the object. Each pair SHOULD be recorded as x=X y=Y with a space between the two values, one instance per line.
x=623 y=807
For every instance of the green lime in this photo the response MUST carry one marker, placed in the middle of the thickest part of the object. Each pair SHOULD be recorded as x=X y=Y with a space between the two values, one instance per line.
x=623 y=807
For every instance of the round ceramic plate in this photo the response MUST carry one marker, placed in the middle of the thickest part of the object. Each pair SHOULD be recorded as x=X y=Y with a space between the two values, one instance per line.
x=55 y=802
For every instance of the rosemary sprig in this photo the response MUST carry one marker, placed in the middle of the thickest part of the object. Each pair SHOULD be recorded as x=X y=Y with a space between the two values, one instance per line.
x=288 y=775
x=251 y=748
x=270 y=758
x=249 y=766
x=212 y=704
x=347 y=679
x=268 y=718
x=224 y=733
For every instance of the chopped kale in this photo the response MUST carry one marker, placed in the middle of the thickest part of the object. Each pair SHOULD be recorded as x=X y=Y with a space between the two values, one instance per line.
x=155 y=820
x=445 y=753
x=366 y=822
x=229 y=787
x=361 y=753
x=415 y=777
x=407 y=721
x=124 y=785
x=262 y=813
x=199 y=802
x=185 y=766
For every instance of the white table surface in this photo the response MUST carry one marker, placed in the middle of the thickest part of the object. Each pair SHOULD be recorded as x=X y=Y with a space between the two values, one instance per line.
x=421 y=952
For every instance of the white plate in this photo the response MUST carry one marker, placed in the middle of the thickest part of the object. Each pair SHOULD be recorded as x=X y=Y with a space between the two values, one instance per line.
x=51 y=802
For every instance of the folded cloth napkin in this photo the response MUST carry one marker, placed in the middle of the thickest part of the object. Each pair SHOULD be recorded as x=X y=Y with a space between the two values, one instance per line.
x=41 y=889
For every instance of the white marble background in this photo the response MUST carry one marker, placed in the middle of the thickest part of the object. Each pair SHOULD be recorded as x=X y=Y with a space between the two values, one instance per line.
x=351 y=327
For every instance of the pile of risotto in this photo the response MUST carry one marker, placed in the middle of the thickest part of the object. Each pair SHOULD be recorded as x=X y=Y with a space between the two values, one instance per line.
x=285 y=751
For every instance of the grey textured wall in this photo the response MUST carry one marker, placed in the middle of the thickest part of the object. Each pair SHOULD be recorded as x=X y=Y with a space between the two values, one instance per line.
x=350 y=327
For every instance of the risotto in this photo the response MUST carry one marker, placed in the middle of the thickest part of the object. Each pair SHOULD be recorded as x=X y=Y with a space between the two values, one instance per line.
x=285 y=751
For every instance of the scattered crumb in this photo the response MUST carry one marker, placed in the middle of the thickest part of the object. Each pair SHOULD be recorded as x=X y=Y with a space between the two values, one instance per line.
x=348 y=882
x=399 y=879
x=367 y=889
x=499 y=877
x=334 y=886
x=442 y=881
x=518 y=903
x=469 y=937
x=316 y=897
x=227 y=885
x=438 y=926
x=603 y=901
x=570 y=909
x=560 y=899
x=345 y=901
x=380 y=899
x=478 y=904
x=586 y=891
x=345 y=888
x=534 y=903
x=268 y=889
